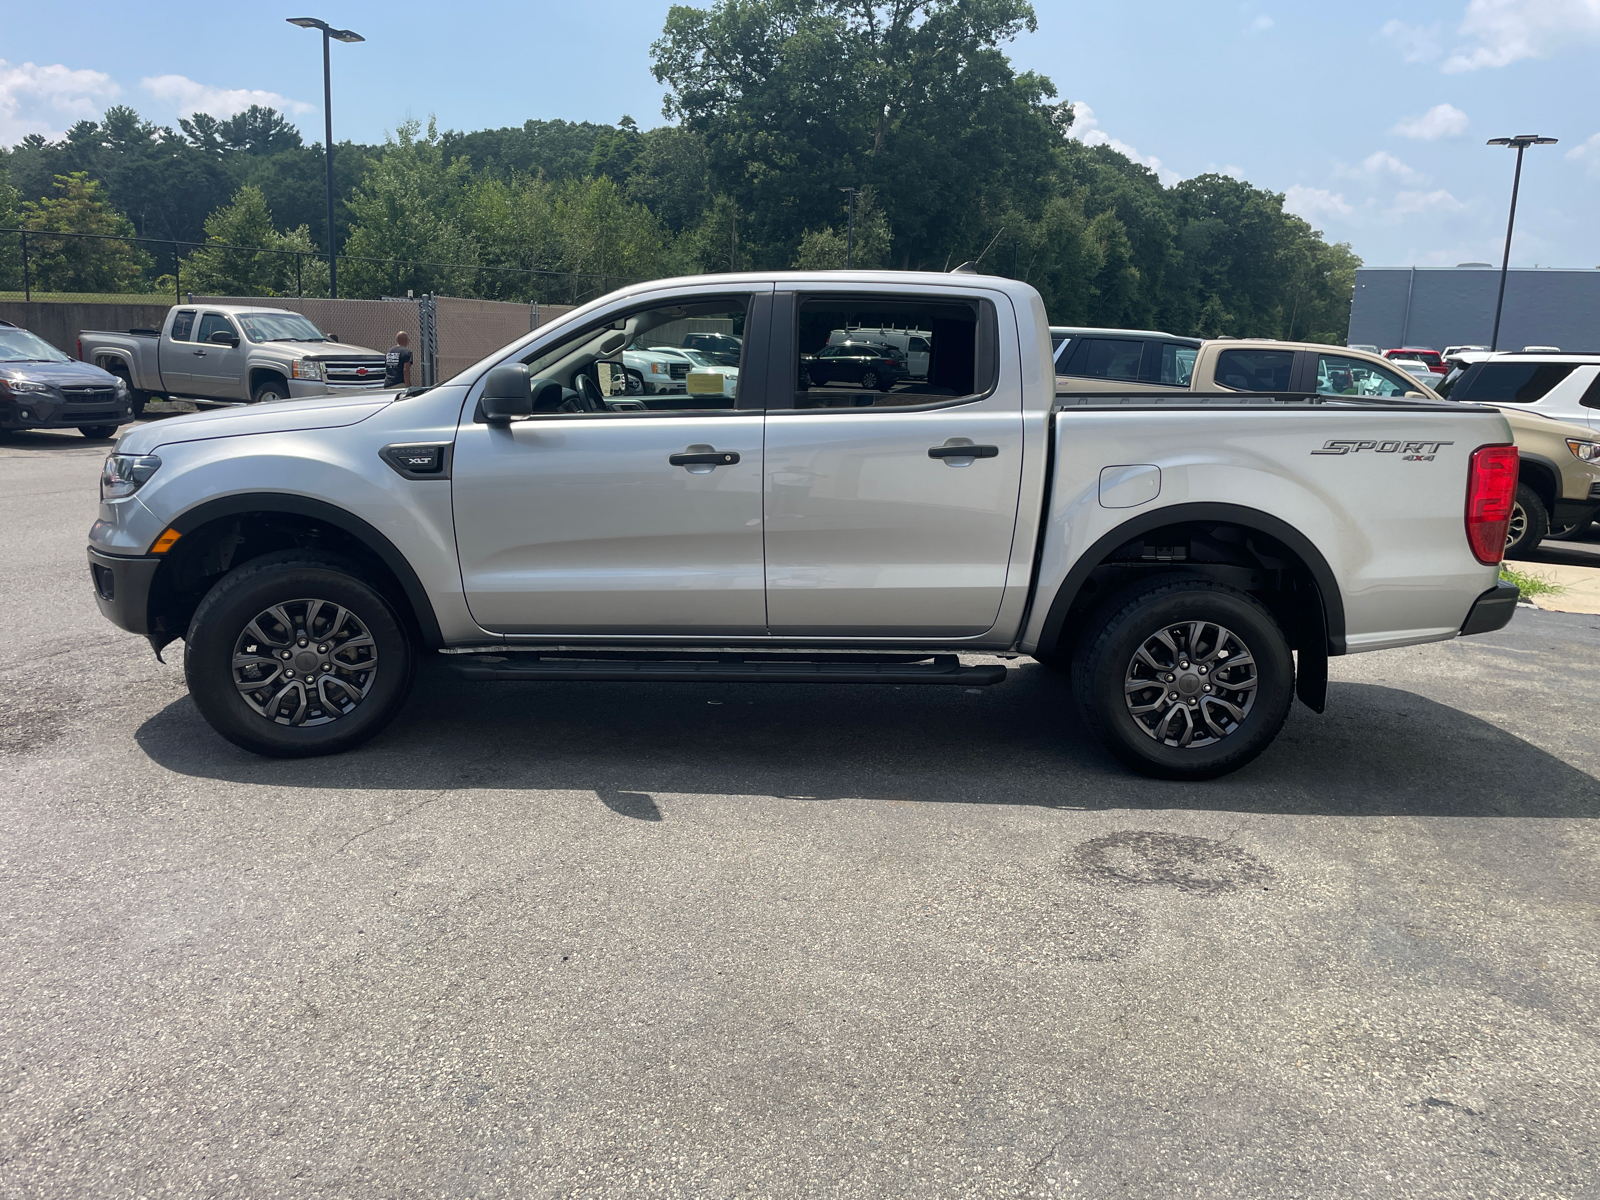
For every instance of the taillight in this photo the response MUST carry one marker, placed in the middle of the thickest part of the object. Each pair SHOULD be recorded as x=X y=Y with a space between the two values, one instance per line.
x=1491 y=491
x=80 y=349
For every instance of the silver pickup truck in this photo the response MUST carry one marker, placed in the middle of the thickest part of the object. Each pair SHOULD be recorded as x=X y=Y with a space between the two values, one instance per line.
x=1193 y=561
x=231 y=352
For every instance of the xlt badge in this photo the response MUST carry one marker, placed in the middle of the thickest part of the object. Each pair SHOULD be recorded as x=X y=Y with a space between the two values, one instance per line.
x=1408 y=451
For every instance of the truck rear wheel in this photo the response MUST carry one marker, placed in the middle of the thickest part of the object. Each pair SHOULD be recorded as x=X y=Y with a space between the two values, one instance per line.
x=293 y=655
x=1186 y=680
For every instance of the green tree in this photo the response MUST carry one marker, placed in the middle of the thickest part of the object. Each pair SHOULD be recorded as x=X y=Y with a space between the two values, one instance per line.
x=410 y=208
x=825 y=249
x=10 y=243
x=220 y=269
x=99 y=264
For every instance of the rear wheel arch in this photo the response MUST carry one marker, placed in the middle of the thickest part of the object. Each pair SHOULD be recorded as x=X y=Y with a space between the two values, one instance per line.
x=222 y=534
x=1072 y=598
x=1542 y=475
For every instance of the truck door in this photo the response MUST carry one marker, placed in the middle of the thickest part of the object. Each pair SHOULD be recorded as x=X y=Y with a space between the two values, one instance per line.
x=175 y=353
x=218 y=367
x=609 y=513
x=891 y=512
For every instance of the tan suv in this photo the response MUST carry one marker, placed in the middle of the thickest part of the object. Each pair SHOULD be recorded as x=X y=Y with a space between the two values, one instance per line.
x=1558 y=489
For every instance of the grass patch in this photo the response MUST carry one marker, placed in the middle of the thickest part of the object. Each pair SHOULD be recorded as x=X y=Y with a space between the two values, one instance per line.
x=1530 y=584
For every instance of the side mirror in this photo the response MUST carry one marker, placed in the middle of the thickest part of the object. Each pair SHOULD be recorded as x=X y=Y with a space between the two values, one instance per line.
x=223 y=338
x=507 y=394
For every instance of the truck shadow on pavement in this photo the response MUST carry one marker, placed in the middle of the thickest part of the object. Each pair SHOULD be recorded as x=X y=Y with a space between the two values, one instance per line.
x=1378 y=751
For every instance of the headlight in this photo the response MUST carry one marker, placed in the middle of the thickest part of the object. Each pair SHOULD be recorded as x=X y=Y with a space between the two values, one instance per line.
x=1589 y=452
x=27 y=385
x=121 y=385
x=660 y=369
x=125 y=474
x=307 y=368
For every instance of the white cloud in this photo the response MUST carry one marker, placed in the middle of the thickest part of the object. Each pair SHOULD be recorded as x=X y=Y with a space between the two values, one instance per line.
x=1314 y=203
x=35 y=99
x=1086 y=128
x=1408 y=204
x=1442 y=120
x=1507 y=31
x=1417 y=43
x=189 y=97
x=1377 y=165
x=1233 y=172
x=1588 y=151
x=1261 y=24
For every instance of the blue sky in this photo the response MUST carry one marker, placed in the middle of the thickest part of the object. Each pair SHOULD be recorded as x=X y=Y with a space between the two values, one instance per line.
x=1370 y=114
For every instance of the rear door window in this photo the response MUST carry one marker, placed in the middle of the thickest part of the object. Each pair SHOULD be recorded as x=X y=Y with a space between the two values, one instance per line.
x=1255 y=370
x=1340 y=376
x=1106 y=358
x=182 y=324
x=959 y=336
x=1509 y=382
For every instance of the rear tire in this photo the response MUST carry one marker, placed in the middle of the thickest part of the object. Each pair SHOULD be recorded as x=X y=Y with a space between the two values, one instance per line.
x=1530 y=523
x=359 y=682
x=1224 y=698
x=869 y=380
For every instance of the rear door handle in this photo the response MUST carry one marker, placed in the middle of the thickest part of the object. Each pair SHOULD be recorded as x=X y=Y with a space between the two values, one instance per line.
x=963 y=451
x=705 y=458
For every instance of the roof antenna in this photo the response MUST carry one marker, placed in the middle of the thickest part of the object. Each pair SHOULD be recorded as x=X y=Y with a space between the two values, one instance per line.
x=971 y=268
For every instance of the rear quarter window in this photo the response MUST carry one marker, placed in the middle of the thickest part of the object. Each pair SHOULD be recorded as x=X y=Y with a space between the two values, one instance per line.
x=1509 y=382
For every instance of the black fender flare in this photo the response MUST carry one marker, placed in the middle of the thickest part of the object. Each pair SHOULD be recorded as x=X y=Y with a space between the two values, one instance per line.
x=1322 y=575
x=304 y=506
x=1546 y=468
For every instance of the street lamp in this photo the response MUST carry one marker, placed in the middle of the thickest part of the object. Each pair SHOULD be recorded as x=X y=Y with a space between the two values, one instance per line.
x=1522 y=141
x=343 y=35
x=850 y=229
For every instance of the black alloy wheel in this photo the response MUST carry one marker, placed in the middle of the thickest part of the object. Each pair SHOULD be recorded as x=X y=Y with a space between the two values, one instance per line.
x=1185 y=679
x=294 y=655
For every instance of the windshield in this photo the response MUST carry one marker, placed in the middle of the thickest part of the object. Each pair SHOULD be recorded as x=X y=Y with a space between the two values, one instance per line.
x=279 y=327
x=18 y=345
x=698 y=359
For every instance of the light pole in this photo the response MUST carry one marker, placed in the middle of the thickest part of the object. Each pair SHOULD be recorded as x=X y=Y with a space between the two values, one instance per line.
x=850 y=228
x=343 y=35
x=1522 y=141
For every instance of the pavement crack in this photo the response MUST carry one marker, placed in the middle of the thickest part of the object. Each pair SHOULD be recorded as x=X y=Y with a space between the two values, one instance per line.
x=391 y=822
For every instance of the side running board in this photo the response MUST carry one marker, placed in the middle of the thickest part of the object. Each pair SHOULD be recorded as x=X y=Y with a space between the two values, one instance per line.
x=620 y=666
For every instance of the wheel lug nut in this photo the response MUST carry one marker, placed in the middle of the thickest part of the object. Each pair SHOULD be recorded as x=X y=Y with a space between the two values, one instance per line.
x=1202 y=670
x=1169 y=678
x=1208 y=687
x=322 y=649
x=302 y=641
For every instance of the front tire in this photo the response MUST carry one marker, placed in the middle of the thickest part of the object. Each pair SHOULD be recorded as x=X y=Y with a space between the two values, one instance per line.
x=330 y=659
x=269 y=390
x=1185 y=680
x=1530 y=523
x=98 y=433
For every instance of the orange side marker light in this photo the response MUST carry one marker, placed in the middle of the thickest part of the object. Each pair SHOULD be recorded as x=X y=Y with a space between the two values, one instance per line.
x=165 y=542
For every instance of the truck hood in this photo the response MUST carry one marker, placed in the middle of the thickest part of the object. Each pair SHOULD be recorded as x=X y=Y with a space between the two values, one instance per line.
x=288 y=416
x=326 y=349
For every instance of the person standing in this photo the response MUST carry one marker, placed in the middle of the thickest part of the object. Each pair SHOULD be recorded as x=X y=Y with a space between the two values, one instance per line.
x=397 y=363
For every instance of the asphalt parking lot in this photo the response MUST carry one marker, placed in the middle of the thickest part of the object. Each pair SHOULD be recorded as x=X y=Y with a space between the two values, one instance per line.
x=716 y=941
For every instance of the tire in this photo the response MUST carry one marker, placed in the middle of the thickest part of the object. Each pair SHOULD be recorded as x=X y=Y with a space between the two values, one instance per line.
x=269 y=390
x=1220 y=731
x=1530 y=523
x=98 y=433
x=137 y=398
x=635 y=382
x=869 y=381
x=362 y=677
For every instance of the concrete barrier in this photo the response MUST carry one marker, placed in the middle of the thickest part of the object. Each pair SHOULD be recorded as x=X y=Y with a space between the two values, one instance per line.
x=58 y=322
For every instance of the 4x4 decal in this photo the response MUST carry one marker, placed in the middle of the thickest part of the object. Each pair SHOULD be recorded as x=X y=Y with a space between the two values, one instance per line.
x=1408 y=451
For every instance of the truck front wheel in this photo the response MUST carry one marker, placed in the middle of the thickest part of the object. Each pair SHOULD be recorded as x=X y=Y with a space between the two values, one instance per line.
x=268 y=389
x=1185 y=680
x=294 y=655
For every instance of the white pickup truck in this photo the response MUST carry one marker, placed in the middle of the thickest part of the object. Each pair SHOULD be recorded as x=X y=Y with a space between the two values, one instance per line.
x=231 y=352
x=1193 y=560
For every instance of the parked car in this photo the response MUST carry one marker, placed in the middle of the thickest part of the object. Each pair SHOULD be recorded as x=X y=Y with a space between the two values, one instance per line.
x=870 y=366
x=915 y=344
x=42 y=388
x=1363 y=347
x=309 y=554
x=1450 y=352
x=1118 y=357
x=231 y=352
x=723 y=348
x=1428 y=357
x=655 y=370
x=1417 y=369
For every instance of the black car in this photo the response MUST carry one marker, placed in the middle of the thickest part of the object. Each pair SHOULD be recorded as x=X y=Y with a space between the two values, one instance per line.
x=42 y=388
x=721 y=348
x=872 y=366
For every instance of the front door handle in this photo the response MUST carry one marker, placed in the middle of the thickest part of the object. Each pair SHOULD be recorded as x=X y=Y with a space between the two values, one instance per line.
x=199 y=353
x=963 y=451
x=696 y=457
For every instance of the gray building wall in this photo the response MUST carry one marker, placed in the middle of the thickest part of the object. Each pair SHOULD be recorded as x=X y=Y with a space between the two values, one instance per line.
x=1440 y=308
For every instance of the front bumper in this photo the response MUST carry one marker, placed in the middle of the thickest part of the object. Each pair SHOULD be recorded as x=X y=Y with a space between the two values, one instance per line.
x=41 y=410
x=1492 y=610
x=122 y=588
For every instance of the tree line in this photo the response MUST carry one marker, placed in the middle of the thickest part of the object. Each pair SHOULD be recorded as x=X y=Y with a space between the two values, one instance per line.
x=776 y=107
